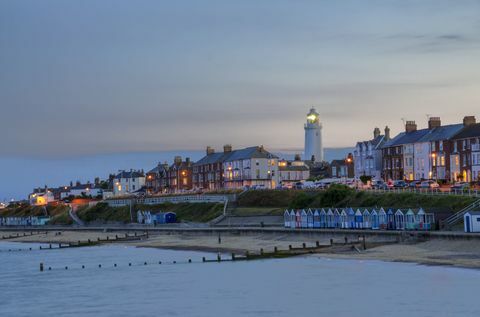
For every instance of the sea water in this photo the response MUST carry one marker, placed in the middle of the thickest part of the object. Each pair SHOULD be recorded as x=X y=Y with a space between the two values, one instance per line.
x=301 y=286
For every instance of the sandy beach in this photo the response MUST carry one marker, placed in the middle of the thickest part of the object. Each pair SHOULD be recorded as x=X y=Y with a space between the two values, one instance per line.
x=458 y=253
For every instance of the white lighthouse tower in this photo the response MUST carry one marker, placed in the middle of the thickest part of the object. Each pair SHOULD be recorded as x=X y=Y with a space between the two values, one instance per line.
x=313 y=137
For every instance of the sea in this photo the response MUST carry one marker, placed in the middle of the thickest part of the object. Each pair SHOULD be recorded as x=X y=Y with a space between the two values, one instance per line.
x=115 y=280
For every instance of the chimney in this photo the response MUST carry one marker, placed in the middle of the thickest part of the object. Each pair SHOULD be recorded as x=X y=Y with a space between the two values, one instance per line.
x=297 y=157
x=177 y=160
x=210 y=150
x=434 y=122
x=387 y=133
x=469 y=120
x=227 y=148
x=376 y=133
x=77 y=183
x=187 y=160
x=410 y=126
x=261 y=148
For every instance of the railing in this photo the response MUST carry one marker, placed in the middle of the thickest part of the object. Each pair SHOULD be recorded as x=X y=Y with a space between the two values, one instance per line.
x=168 y=199
x=456 y=217
x=435 y=192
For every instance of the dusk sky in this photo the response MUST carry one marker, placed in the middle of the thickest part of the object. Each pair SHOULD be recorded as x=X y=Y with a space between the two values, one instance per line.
x=80 y=78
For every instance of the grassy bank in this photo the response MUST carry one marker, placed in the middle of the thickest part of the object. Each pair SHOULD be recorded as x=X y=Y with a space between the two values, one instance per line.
x=341 y=196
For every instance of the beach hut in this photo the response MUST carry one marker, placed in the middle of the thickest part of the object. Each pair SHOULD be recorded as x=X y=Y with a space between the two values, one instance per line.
x=303 y=219
x=344 y=219
x=366 y=219
x=410 y=222
x=323 y=218
x=390 y=219
x=351 y=218
x=420 y=220
x=316 y=219
x=298 y=219
x=337 y=219
x=471 y=220
x=286 y=219
x=293 y=219
x=399 y=220
x=374 y=219
x=382 y=219
x=330 y=218
x=309 y=218
x=358 y=219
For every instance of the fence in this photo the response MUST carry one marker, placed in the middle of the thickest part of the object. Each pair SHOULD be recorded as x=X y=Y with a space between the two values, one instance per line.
x=167 y=199
x=433 y=192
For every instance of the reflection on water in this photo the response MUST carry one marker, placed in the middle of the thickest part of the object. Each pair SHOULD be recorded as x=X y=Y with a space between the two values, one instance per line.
x=305 y=286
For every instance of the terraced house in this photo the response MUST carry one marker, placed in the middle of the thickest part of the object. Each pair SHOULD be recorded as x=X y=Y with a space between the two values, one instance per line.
x=368 y=155
x=465 y=155
x=208 y=171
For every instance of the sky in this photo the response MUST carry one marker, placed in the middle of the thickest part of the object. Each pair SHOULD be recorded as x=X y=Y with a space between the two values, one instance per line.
x=85 y=78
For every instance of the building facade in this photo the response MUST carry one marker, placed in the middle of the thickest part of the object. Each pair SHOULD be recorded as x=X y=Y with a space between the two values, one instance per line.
x=465 y=152
x=180 y=175
x=128 y=182
x=291 y=172
x=156 y=181
x=208 y=171
x=368 y=155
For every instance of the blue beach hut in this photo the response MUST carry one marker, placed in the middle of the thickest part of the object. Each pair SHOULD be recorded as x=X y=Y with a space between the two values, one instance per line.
x=344 y=219
x=366 y=219
x=309 y=218
x=374 y=219
x=303 y=219
x=390 y=219
x=323 y=218
x=410 y=222
x=316 y=219
x=382 y=219
x=358 y=219
x=337 y=219
x=293 y=219
x=330 y=219
x=399 y=220
x=351 y=218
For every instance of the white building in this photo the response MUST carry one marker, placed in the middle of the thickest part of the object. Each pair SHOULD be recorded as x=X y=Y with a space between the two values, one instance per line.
x=128 y=182
x=249 y=167
x=313 y=137
x=291 y=172
x=88 y=190
x=41 y=198
x=471 y=220
x=368 y=155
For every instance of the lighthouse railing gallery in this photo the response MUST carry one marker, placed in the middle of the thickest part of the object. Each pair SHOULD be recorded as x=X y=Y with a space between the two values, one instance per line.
x=359 y=218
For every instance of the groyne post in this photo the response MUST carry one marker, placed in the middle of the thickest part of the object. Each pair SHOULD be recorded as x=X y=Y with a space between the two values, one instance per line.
x=41 y=266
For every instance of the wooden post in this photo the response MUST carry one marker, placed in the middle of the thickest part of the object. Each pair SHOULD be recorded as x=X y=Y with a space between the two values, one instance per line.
x=233 y=256
x=203 y=259
x=41 y=266
x=275 y=250
x=304 y=245
x=364 y=243
x=346 y=240
x=219 y=239
x=218 y=257
x=189 y=260
x=290 y=247
x=247 y=254
x=261 y=251
x=317 y=243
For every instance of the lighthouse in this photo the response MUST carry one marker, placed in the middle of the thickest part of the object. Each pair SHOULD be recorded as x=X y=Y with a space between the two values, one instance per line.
x=313 y=137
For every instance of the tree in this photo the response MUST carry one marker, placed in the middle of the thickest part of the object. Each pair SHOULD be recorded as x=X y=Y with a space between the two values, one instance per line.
x=365 y=179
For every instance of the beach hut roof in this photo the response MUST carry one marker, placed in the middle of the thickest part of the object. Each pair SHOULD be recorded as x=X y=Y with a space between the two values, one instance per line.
x=399 y=212
x=421 y=212
x=329 y=212
x=382 y=211
x=351 y=211
x=343 y=212
x=298 y=212
x=390 y=211
x=286 y=212
x=373 y=212
x=309 y=212
x=366 y=212
x=316 y=213
x=336 y=211
x=358 y=212
x=322 y=212
x=410 y=212
x=304 y=212
x=292 y=212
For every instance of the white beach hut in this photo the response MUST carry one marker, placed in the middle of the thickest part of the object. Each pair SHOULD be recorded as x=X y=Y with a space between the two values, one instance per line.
x=471 y=220
x=382 y=219
x=309 y=218
x=286 y=218
x=358 y=219
x=293 y=219
x=344 y=219
x=410 y=220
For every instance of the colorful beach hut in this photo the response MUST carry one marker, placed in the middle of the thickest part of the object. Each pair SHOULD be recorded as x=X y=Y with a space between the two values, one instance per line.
x=337 y=219
x=351 y=218
x=330 y=218
x=286 y=219
x=303 y=219
x=323 y=218
x=399 y=220
x=366 y=219
x=374 y=219
x=358 y=219
x=298 y=219
x=344 y=219
x=410 y=222
x=382 y=219
x=309 y=218
x=390 y=219
x=316 y=219
x=293 y=219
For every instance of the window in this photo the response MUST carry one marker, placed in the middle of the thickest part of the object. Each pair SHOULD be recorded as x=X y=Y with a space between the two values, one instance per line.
x=441 y=145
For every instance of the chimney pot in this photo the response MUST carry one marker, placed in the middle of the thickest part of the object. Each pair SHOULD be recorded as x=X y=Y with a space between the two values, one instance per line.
x=410 y=126
x=210 y=150
x=387 y=133
x=376 y=133
x=434 y=122
x=469 y=120
x=227 y=148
